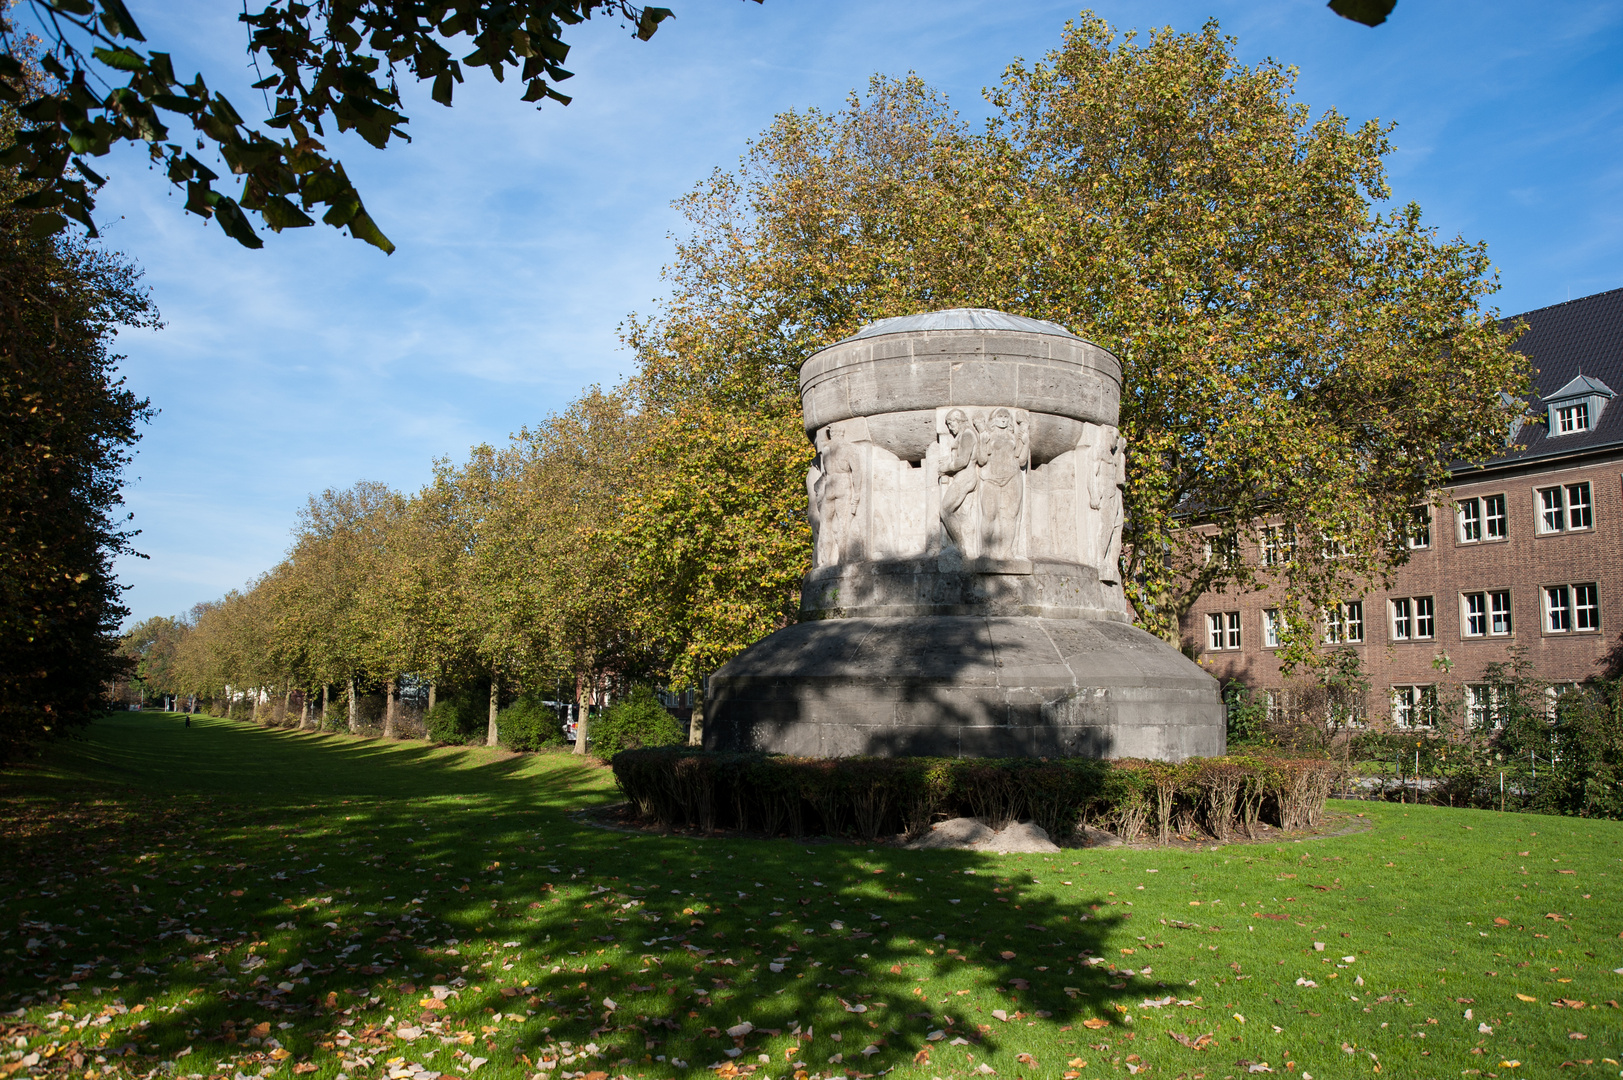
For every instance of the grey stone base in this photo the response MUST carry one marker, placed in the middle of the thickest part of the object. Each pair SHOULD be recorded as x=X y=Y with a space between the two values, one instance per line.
x=950 y=585
x=965 y=686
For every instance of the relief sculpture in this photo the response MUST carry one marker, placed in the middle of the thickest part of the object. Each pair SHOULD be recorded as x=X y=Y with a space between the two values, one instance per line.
x=959 y=478
x=837 y=497
x=1106 y=465
x=1005 y=450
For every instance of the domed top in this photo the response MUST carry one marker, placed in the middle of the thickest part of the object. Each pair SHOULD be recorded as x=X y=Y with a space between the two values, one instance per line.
x=962 y=319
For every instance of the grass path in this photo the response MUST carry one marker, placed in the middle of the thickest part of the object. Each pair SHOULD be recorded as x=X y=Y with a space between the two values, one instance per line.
x=227 y=901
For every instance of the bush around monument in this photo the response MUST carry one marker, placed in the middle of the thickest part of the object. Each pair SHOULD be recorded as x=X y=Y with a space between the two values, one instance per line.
x=638 y=722
x=868 y=798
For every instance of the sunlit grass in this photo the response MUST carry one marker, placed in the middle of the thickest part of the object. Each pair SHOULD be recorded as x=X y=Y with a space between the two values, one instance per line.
x=219 y=879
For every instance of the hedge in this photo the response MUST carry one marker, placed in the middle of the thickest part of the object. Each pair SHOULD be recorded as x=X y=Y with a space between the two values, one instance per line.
x=867 y=797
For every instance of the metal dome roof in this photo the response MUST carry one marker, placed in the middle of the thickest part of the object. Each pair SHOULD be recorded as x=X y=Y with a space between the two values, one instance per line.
x=962 y=319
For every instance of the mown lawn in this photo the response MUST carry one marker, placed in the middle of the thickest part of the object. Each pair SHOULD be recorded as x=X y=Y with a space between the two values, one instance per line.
x=230 y=901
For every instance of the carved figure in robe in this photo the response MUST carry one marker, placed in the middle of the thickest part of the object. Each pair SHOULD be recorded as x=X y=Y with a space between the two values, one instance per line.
x=838 y=497
x=1003 y=455
x=1107 y=475
x=813 y=476
x=959 y=479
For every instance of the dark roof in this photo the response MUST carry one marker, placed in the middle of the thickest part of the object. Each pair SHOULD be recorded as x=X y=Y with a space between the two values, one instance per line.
x=1564 y=341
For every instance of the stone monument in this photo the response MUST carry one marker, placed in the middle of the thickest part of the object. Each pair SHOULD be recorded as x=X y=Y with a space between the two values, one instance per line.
x=965 y=595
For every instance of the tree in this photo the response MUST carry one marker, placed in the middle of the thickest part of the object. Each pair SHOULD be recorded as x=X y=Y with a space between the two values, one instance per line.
x=153 y=645
x=1287 y=349
x=335 y=62
x=68 y=425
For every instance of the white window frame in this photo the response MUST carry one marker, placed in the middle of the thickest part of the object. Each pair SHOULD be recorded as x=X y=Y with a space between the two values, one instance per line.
x=1233 y=630
x=1402 y=619
x=1585 y=607
x=1495 y=521
x=1214 y=630
x=1481 y=705
x=1414 y=618
x=1344 y=623
x=1557 y=609
x=1571 y=419
x=1413 y=704
x=1420 y=527
x=1580 y=507
x=1425 y=618
x=1552 y=510
x=1500 y=623
x=1270 y=628
x=1470 y=521
x=1474 y=614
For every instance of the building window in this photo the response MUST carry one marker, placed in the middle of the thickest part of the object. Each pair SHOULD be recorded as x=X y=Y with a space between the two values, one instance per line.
x=1420 y=527
x=1470 y=521
x=1479 y=710
x=1270 y=628
x=1476 y=614
x=1557 y=609
x=1585 y=607
x=1499 y=612
x=1578 y=506
x=1223 y=630
x=1571 y=419
x=1549 y=510
x=1344 y=624
x=1414 y=706
x=1494 y=522
x=1564 y=508
x=1414 y=618
x=1278 y=544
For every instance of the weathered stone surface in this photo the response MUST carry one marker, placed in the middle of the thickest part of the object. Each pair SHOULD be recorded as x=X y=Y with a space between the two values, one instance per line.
x=957 y=833
x=965 y=686
x=965 y=596
x=1021 y=837
x=971 y=834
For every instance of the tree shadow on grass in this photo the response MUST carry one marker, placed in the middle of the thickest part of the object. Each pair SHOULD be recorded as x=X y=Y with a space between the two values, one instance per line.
x=334 y=918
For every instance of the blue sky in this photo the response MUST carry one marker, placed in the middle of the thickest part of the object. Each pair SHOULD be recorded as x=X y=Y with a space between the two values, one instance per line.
x=525 y=237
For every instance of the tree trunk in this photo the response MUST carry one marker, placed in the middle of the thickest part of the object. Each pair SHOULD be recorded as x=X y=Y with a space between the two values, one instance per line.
x=354 y=718
x=287 y=703
x=583 y=698
x=430 y=709
x=304 y=709
x=388 y=709
x=430 y=697
x=326 y=703
x=495 y=700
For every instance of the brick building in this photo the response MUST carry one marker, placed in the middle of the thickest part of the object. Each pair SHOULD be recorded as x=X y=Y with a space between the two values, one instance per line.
x=1531 y=554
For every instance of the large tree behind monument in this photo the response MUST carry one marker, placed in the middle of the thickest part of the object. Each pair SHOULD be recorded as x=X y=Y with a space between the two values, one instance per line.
x=1288 y=346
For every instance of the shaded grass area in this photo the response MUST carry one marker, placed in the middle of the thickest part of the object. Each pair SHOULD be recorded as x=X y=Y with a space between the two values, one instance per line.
x=235 y=900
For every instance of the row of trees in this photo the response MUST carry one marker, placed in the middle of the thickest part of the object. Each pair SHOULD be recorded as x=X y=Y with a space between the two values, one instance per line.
x=1287 y=345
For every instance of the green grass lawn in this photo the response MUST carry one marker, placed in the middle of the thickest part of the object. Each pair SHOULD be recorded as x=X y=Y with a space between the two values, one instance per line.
x=225 y=900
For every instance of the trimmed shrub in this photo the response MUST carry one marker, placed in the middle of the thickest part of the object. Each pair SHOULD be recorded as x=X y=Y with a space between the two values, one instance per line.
x=459 y=719
x=637 y=722
x=866 y=798
x=528 y=724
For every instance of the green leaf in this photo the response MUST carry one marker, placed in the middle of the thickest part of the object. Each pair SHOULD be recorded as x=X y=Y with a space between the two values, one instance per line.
x=1368 y=12
x=233 y=221
x=122 y=59
x=651 y=18
x=72 y=7
x=39 y=200
x=43 y=225
x=88 y=173
x=281 y=214
x=117 y=19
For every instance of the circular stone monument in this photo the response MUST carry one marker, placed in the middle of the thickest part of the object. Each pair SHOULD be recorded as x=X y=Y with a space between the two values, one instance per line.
x=965 y=595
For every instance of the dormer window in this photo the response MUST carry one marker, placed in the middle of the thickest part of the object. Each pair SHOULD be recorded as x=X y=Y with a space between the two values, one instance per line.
x=1577 y=406
x=1571 y=419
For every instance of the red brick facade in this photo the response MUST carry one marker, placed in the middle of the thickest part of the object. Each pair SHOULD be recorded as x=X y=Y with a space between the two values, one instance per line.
x=1525 y=563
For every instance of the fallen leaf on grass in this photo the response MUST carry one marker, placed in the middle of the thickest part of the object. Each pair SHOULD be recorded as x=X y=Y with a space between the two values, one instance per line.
x=999 y=1014
x=935 y=1036
x=1094 y=1023
x=1199 y=1042
x=1524 y=997
x=304 y=1067
x=922 y=1057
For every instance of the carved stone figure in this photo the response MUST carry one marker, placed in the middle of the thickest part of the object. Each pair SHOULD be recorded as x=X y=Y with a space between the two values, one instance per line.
x=1003 y=455
x=1107 y=475
x=959 y=479
x=813 y=476
x=838 y=494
